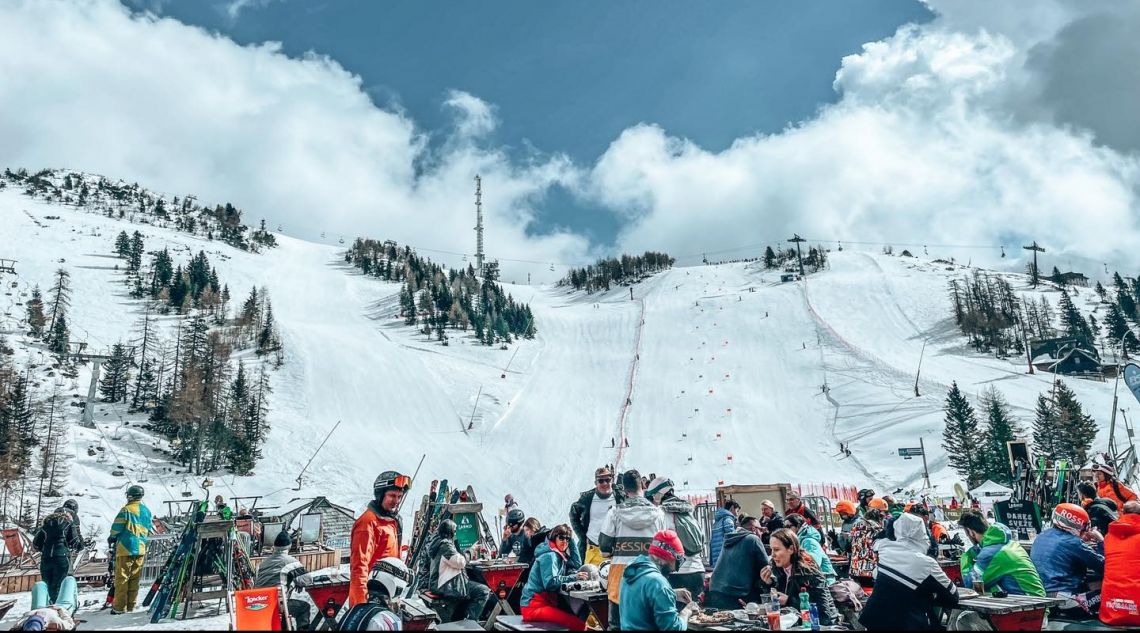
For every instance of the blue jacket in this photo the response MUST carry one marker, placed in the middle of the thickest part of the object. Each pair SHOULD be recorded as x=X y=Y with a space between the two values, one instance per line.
x=810 y=541
x=647 y=601
x=549 y=571
x=130 y=530
x=1062 y=559
x=724 y=523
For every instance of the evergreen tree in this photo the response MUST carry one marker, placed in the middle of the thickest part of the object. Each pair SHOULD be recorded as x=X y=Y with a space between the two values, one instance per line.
x=960 y=437
x=1101 y=292
x=35 y=314
x=1001 y=428
x=113 y=384
x=267 y=338
x=770 y=260
x=1075 y=325
x=1078 y=429
x=162 y=271
x=60 y=294
x=134 y=259
x=1047 y=434
x=1057 y=278
x=59 y=336
x=408 y=304
x=123 y=245
x=1117 y=328
x=251 y=309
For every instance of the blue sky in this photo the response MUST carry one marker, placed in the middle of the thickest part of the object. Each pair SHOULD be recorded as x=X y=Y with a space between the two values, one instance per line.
x=568 y=76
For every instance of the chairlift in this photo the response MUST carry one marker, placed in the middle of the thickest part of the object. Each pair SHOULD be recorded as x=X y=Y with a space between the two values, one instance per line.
x=552 y=268
x=1003 y=252
x=840 y=248
x=341 y=239
x=322 y=234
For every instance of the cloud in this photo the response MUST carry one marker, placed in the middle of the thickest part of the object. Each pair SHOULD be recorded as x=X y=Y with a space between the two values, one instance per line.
x=298 y=141
x=938 y=136
x=233 y=8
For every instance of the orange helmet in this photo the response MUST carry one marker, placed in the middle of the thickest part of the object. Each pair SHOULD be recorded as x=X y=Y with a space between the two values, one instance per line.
x=845 y=507
x=878 y=504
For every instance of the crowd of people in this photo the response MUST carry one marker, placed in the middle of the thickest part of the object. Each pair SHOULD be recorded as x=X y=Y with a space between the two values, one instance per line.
x=643 y=543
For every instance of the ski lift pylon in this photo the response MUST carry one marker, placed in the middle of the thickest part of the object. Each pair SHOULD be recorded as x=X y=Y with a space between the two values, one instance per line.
x=1002 y=251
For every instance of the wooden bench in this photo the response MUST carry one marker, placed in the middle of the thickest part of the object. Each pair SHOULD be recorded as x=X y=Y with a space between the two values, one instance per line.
x=1011 y=613
x=515 y=623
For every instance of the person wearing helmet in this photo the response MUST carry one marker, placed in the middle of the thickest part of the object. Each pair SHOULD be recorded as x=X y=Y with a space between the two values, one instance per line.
x=865 y=496
x=555 y=563
x=848 y=516
x=387 y=585
x=72 y=507
x=647 y=601
x=129 y=534
x=513 y=538
x=910 y=584
x=448 y=577
x=864 y=559
x=222 y=508
x=377 y=532
x=996 y=558
x=679 y=518
x=1064 y=555
x=1109 y=487
x=279 y=569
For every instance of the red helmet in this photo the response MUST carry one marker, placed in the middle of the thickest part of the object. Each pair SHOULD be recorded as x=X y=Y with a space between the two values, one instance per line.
x=1071 y=518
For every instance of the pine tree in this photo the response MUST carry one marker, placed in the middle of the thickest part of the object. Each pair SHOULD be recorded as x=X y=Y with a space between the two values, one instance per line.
x=960 y=436
x=242 y=449
x=251 y=309
x=35 y=314
x=1047 y=434
x=1001 y=428
x=267 y=338
x=59 y=337
x=1075 y=325
x=113 y=384
x=1078 y=429
x=134 y=259
x=1057 y=278
x=770 y=261
x=60 y=297
x=1117 y=328
x=1101 y=292
x=123 y=245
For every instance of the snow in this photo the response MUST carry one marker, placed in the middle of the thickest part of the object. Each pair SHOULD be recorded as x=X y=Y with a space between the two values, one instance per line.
x=716 y=361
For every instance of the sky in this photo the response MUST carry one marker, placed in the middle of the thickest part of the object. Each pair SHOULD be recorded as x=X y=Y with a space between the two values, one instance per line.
x=962 y=125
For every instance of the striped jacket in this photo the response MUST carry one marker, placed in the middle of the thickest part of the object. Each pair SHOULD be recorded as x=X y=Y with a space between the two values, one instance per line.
x=278 y=569
x=130 y=530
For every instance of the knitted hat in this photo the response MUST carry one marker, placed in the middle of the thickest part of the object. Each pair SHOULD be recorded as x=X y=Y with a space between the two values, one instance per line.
x=1071 y=518
x=667 y=545
x=658 y=487
x=282 y=540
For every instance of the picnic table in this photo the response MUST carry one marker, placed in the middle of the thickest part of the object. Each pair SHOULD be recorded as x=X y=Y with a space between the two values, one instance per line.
x=1011 y=613
x=501 y=576
x=586 y=603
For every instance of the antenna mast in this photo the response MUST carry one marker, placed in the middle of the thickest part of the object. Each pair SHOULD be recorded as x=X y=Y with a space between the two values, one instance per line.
x=478 y=226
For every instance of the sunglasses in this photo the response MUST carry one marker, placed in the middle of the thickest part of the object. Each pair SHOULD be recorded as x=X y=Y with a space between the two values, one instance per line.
x=603 y=480
x=562 y=537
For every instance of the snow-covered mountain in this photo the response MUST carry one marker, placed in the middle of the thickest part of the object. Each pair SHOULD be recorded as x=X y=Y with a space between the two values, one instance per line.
x=713 y=374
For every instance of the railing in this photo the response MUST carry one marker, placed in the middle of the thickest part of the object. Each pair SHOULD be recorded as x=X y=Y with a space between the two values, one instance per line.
x=158 y=548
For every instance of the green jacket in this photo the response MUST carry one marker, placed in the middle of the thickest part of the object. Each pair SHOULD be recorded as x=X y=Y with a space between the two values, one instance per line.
x=1001 y=562
x=131 y=529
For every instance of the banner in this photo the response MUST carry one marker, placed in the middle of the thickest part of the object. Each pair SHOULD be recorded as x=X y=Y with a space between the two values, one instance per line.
x=1022 y=517
x=1132 y=378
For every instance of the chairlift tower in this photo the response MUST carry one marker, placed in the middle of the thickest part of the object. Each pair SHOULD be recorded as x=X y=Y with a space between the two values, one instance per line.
x=478 y=226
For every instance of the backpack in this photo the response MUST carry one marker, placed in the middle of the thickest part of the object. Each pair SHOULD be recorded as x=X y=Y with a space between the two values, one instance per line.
x=691 y=535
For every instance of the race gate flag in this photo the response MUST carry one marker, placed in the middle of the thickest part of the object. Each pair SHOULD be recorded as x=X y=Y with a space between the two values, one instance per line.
x=258 y=609
x=1132 y=378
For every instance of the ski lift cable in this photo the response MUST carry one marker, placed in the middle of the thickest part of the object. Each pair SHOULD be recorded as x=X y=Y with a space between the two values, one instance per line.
x=146 y=459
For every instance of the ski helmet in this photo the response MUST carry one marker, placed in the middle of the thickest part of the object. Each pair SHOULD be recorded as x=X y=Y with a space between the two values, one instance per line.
x=72 y=504
x=866 y=494
x=515 y=517
x=135 y=492
x=845 y=507
x=390 y=575
x=604 y=574
x=1105 y=468
x=1071 y=518
x=878 y=504
x=390 y=480
x=447 y=529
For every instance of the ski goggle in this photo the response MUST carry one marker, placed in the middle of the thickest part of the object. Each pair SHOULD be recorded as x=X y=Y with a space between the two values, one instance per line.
x=399 y=481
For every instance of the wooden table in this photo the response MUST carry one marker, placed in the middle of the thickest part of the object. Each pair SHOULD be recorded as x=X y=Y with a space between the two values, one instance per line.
x=501 y=577
x=1011 y=613
x=585 y=603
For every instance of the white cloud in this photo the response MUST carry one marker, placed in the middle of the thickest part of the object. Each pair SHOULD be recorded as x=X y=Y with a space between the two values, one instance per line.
x=234 y=8
x=295 y=140
x=922 y=147
x=474 y=117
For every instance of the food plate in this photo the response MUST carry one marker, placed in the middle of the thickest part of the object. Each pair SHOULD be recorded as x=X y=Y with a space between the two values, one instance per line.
x=788 y=618
x=963 y=592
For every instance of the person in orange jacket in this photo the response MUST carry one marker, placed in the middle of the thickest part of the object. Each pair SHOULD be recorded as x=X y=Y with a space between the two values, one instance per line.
x=1109 y=487
x=377 y=532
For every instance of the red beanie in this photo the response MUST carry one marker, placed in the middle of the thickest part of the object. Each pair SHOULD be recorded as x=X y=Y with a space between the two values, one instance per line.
x=667 y=545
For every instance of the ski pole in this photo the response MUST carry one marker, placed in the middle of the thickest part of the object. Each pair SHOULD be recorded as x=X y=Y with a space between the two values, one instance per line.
x=411 y=483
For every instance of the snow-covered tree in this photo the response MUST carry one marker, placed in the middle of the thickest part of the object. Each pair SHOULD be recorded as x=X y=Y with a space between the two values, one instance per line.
x=961 y=438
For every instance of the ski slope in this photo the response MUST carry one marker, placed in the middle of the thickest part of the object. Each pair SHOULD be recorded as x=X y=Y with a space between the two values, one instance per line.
x=713 y=374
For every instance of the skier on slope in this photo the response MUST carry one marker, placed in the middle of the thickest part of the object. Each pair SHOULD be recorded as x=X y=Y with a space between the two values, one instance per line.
x=377 y=532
